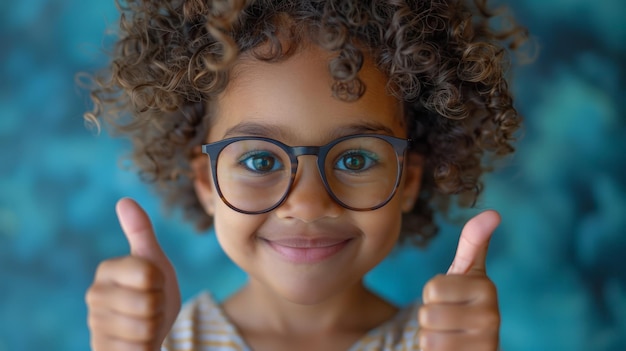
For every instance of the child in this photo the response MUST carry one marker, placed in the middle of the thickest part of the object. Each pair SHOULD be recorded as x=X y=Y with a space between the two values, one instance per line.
x=314 y=136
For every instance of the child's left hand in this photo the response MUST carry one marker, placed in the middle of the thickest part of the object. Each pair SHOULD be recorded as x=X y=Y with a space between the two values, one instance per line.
x=460 y=309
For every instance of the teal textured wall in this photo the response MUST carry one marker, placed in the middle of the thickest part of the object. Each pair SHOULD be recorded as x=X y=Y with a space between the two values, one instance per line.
x=558 y=258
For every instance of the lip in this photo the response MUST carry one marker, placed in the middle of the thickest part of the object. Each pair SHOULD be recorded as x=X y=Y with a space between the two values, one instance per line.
x=300 y=250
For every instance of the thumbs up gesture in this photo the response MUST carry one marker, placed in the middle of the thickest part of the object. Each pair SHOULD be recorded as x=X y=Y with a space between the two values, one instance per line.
x=460 y=309
x=135 y=299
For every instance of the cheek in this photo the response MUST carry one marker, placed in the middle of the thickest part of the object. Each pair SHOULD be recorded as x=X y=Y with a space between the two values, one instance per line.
x=235 y=231
x=382 y=227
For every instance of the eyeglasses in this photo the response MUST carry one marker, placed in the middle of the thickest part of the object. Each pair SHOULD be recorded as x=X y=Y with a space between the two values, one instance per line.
x=254 y=175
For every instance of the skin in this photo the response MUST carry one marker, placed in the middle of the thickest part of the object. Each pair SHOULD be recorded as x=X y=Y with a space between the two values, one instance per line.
x=134 y=299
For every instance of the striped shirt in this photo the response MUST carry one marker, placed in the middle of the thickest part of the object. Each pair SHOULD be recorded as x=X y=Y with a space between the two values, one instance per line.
x=203 y=326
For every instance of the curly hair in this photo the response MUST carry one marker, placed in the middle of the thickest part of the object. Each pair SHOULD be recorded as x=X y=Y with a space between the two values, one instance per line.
x=443 y=60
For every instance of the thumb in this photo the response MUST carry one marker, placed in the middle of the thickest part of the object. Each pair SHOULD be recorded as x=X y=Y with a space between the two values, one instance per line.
x=143 y=244
x=471 y=252
x=138 y=231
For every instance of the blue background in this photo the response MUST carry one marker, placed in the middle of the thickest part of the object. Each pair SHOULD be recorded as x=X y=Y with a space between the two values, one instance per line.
x=558 y=258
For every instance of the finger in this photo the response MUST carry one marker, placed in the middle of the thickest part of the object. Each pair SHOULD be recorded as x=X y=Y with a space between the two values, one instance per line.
x=131 y=272
x=131 y=302
x=138 y=230
x=457 y=341
x=123 y=327
x=459 y=289
x=105 y=343
x=471 y=252
x=454 y=318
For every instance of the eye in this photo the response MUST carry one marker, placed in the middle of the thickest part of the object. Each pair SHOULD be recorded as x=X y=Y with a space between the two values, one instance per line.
x=356 y=161
x=260 y=162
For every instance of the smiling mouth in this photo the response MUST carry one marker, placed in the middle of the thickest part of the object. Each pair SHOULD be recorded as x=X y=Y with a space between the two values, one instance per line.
x=307 y=251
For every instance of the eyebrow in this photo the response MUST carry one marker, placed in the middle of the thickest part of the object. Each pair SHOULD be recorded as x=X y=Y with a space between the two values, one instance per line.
x=361 y=128
x=256 y=129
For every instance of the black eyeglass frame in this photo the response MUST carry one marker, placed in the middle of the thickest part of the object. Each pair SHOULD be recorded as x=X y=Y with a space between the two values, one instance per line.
x=213 y=150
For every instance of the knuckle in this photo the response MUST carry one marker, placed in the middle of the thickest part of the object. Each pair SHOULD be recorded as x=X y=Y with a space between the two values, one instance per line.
x=105 y=266
x=428 y=341
x=427 y=316
x=97 y=326
x=431 y=284
x=108 y=269
x=90 y=297
x=91 y=323
x=94 y=297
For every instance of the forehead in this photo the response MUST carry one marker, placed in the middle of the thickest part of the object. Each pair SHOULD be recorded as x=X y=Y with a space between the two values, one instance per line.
x=294 y=99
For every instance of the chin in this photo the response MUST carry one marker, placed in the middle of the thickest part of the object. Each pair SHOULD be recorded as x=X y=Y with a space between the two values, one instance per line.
x=310 y=291
x=309 y=297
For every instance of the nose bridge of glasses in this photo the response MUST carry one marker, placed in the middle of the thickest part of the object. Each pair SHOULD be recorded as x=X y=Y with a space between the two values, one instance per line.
x=305 y=150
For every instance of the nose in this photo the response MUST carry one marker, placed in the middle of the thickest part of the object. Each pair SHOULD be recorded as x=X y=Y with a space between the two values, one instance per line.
x=308 y=199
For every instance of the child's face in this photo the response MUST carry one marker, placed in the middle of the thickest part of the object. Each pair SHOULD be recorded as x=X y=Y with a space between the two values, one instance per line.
x=291 y=101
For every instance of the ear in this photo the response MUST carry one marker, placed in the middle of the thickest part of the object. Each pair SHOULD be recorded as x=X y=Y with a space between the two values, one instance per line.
x=203 y=182
x=413 y=169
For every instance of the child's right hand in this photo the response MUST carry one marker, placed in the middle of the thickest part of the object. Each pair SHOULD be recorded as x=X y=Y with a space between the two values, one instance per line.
x=134 y=300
